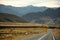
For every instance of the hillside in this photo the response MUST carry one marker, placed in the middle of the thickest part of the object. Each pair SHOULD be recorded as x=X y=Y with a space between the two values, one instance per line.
x=5 y=17
x=19 y=11
x=49 y=16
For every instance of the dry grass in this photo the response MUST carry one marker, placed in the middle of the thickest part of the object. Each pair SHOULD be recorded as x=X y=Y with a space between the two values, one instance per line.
x=19 y=33
x=56 y=32
x=15 y=24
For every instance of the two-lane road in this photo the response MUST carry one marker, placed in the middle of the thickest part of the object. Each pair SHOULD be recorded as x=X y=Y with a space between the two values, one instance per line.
x=46 y=36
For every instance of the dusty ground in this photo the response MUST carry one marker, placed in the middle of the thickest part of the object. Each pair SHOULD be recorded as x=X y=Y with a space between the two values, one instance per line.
x=56 y=32
x=19 y=33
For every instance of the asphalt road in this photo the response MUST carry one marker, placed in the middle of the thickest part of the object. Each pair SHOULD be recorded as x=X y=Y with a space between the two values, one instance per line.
x=45 y=36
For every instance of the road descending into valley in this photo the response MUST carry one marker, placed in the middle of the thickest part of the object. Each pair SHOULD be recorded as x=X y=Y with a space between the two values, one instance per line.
x=45 y=36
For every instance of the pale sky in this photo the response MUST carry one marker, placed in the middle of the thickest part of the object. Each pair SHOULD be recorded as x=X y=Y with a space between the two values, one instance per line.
x=21 y=3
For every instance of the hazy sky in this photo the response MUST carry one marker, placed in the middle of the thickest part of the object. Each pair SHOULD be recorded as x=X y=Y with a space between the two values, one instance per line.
x=20 y=3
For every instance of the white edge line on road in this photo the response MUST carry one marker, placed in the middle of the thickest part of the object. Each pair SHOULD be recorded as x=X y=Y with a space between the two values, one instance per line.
x=53 y=36
x=43 y=36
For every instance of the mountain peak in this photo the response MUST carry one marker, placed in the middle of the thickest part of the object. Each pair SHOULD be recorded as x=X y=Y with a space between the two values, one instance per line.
x=20 y=10
x=30 y=6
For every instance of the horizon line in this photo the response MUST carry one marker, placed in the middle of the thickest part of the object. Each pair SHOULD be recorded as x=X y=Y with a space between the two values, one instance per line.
x=30 y=5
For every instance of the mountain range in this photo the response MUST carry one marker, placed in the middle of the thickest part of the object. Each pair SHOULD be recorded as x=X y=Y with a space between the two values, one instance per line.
x=42 y=15
x=49 y=16
x=19 y=11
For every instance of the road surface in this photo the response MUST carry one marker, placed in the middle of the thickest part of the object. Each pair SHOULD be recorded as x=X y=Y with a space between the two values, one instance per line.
x=46 y=36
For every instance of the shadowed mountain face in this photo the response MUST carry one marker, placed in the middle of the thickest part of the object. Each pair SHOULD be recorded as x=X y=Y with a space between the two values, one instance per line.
x=20 y=10
x=31 y=13
x=4 y=17
x=49 y=16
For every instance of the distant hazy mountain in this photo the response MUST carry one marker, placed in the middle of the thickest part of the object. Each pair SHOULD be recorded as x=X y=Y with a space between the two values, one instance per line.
x=49 y=16
x=20 y=10
x=5 y=17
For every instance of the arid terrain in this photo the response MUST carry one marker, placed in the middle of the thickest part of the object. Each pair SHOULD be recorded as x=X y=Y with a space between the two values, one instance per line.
x=18 y=33
x=56 y=33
